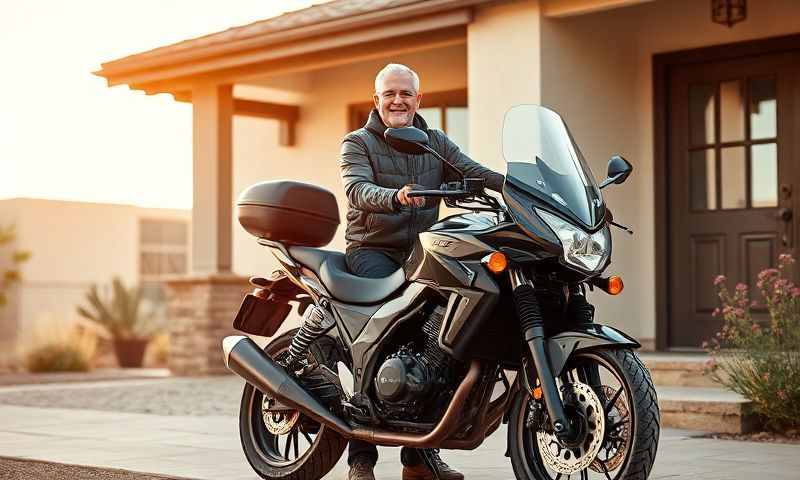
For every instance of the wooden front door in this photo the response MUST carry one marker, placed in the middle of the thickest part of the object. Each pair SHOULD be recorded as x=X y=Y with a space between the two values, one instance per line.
x=733 y=181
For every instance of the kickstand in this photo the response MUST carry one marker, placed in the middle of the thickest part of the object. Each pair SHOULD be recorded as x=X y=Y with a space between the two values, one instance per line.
x=427 y=458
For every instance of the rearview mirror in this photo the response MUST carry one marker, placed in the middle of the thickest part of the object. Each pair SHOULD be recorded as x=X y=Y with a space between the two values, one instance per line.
x=409 y=140
x=618 y=171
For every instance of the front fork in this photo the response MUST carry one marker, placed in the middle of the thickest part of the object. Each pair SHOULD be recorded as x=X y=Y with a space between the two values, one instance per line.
x=532 y=323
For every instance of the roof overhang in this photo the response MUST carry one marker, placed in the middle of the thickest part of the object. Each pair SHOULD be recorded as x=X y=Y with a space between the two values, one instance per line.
x=325 y=35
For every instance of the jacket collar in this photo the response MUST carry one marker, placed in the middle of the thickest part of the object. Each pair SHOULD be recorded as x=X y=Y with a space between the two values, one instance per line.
x=375 y=124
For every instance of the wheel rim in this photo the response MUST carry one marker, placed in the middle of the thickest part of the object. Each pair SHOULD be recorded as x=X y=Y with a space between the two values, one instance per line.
x=289 y=445
x=614 y=453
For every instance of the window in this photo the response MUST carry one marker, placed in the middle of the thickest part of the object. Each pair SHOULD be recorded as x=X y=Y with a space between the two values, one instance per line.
x=163 y=249
x=446 y=111
x=733 y=145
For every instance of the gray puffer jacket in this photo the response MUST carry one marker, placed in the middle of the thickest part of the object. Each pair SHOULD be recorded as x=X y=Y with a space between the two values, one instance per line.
x=373 y=172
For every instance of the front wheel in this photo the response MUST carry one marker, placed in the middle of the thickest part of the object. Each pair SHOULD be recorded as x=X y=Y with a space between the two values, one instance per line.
x=285 y=444
x=610 y=400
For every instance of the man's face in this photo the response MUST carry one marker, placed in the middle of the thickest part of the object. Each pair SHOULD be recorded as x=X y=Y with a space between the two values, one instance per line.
x=396 y=100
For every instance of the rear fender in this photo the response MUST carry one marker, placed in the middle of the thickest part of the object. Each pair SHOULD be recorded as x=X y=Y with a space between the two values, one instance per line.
x=585 y=337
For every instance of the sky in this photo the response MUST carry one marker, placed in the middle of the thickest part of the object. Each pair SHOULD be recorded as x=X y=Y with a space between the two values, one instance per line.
x=64 y=134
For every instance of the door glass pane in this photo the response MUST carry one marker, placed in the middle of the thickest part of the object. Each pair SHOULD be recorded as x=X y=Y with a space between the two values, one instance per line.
x=457 y=126
x=763 y=108
x=764 y=176
x=432 y=116
x=703 y=180
x=731 y=111
x=701 y=114
x=733 y=177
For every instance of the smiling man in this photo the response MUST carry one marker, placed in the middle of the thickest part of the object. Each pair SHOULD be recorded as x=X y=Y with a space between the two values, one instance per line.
x=383 y=222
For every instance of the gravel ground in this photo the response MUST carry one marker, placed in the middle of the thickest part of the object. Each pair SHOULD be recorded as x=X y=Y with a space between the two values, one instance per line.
x=17 y=469
x=201 y=396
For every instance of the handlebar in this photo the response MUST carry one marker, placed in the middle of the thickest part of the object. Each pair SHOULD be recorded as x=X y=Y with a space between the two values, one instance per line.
x=438 y=193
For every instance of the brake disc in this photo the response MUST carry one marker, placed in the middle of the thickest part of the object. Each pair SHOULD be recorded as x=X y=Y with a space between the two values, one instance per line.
x=278 y=422
x=568 y=460
x=616 y=444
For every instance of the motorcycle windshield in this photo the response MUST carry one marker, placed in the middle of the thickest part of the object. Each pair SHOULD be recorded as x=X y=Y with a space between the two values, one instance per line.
x=543 y=159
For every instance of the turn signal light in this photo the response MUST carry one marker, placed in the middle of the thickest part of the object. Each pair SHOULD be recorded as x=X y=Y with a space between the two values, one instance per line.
x=537 y=393
x=615 y=285
x=612 y=285
x=496 y=262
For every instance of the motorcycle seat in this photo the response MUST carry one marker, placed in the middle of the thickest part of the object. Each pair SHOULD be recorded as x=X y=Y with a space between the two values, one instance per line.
x=332 y=270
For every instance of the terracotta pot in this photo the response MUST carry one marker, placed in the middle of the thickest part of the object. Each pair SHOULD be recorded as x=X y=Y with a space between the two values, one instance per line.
x=130 y=351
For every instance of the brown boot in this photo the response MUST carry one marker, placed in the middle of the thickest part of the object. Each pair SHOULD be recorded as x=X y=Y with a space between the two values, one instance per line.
x=420 y=471
x=361 y=469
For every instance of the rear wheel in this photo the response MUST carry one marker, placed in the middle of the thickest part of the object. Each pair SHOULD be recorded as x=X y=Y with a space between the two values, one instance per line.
x=285 y=444
x=618 y=420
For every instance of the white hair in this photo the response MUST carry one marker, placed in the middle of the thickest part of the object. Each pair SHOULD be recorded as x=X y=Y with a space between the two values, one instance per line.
x=396 y=68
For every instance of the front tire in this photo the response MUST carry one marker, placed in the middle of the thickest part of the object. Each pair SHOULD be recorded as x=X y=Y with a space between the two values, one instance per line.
x=263 y=449
x=639 y=421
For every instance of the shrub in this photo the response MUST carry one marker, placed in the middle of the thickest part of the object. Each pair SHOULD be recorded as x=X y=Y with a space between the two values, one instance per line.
x=760 y=358
x=119 y=311
x=60 y=349
x=10 y=275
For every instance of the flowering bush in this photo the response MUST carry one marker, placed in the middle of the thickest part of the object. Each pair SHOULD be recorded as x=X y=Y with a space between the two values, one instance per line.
x=758 y=355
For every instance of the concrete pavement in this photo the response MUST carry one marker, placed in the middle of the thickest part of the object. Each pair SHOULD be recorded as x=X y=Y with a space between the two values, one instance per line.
x=208 y=448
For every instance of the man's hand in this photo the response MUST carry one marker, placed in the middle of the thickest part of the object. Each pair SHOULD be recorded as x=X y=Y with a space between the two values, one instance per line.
x=404 y=199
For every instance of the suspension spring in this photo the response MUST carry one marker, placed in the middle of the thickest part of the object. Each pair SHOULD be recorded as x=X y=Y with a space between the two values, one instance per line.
x=315 y=322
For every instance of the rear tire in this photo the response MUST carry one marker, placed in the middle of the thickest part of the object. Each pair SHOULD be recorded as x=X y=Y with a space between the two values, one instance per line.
x=643 y=413
x=262 y=448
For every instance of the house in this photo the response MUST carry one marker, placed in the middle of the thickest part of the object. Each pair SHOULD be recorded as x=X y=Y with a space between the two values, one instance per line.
x=702 y=96
x=76 y=244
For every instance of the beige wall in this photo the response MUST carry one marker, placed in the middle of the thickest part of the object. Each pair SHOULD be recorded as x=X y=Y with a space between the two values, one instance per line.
x=504 y=70
x=323 y=96
x=597 y=72
x=73 y=244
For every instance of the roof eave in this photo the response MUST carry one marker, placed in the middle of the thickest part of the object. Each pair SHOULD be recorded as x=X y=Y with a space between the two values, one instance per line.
x=151 y=64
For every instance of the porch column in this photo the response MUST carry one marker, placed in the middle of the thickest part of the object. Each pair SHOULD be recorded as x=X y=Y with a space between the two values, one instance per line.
x=212 y=169
x=503 y=58
x=202 y=305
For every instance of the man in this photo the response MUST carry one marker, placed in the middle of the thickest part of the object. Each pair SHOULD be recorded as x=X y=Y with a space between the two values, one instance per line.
x=383 y=222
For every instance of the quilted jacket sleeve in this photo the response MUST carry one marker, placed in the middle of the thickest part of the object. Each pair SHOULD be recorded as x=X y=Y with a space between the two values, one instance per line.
x=468 y=166
x=359 y=179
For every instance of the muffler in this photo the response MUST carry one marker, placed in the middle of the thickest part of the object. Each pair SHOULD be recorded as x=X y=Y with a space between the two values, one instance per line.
x=245 y=358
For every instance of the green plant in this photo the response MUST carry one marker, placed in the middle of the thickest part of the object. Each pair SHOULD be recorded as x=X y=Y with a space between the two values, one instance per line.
x=10 y=274
x=59 y=348
x=757 y=352
x=119 y=311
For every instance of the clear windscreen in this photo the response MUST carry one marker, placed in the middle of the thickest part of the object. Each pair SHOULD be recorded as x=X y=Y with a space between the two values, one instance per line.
x=542 y=158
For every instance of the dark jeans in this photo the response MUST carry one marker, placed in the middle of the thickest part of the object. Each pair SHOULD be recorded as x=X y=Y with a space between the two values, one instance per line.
x=370 y=263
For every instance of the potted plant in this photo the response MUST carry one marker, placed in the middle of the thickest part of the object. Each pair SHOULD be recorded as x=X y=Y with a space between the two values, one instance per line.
x=121 y=314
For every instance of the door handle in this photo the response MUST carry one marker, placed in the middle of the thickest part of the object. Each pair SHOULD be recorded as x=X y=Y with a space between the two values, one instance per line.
x=785 y=215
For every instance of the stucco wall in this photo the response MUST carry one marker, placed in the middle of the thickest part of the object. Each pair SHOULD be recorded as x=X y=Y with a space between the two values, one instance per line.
x=597 y=72
x=504 y=70
x=73 y=244
x=323 y=97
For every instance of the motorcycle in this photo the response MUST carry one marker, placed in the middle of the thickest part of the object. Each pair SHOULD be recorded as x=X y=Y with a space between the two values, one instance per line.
x=486 y=323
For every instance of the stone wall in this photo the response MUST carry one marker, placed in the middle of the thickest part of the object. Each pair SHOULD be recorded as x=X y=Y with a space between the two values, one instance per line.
x=201 y=310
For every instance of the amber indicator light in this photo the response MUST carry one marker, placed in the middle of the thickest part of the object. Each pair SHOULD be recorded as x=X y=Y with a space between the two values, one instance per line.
x=496 y=262
x=537 y=393
x=615 y=285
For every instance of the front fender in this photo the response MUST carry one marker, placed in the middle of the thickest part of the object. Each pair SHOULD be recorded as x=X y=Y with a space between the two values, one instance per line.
x=591 y=335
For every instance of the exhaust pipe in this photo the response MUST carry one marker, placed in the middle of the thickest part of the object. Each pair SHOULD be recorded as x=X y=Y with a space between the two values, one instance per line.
x=245 y=358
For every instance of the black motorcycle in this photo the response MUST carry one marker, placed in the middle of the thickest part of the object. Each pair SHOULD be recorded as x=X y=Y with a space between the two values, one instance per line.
x=486 y=323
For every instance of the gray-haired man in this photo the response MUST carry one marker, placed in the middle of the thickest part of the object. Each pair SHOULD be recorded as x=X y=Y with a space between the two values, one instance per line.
x=383 y=222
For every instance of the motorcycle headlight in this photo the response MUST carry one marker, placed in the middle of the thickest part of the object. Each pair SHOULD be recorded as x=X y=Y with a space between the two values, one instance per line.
x=587 y=252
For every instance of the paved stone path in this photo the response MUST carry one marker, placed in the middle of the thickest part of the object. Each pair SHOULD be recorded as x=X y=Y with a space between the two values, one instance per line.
x=207 y=447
